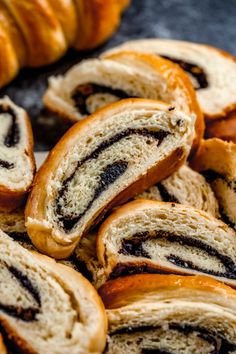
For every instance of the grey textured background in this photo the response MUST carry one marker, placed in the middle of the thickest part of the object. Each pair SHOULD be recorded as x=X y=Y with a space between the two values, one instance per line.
x=205 y=21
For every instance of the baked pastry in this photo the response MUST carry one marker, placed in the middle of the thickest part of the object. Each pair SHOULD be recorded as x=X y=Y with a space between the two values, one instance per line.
x=38 y=32
x=100 y=162
x=153 y=313
x=46 y=307
x=209 y=68
x=151 y=237
x=184 y=186
x=95 y=83
x=17 y=165
x=217 y=160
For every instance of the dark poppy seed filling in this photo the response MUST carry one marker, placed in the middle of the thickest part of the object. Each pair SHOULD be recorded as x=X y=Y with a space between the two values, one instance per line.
x=134 y=247
x=25 y=314
x=84 y=91
x=19 y=237
x=109 y=175
x=211 y=177
x=12 y=137
x=194 y=70
x=6 y=164
x=219 y=342
x=165 y=195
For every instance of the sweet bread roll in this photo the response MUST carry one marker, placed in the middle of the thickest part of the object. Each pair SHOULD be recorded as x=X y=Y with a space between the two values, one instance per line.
x=46 y=307
x=184 y=186
x=38 y=32
x=95 y=83
x=209 y=68
x=17 y=165
x=103 y=160
x=151 y=237
x=217 y=160
x=153 y=313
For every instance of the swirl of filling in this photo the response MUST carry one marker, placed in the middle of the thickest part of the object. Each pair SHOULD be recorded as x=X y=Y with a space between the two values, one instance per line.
x=184 y=250
x=85 y=92
x=29 y=313
x=158 y=340
x=12 y=137
x=195 y=72
x=67 y=217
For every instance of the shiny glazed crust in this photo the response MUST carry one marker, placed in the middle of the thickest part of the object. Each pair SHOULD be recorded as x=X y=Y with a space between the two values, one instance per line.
x=126 y=290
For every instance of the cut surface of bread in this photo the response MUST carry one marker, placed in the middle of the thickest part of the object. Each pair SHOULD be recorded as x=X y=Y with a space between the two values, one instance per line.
x=153 y=313
x=216 y=159
x=46 y=307
x=102 y=161
x=146 y=236
x=17 y=164
x=95 y=83
x=187 y=187
x=212 y=71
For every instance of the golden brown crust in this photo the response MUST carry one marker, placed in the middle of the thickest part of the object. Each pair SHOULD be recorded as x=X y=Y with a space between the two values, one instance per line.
x=224 y=129
x=66 y=14
x=123 y=291
x=13 y=199
x=123 y=4
x=41 y=30
x=217 y=155
x=35 y=208
x=97 y=19
x=3 y=349
x=176 y=78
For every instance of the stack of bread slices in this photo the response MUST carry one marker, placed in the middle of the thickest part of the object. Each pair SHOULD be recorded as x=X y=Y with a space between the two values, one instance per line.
x=133 y=198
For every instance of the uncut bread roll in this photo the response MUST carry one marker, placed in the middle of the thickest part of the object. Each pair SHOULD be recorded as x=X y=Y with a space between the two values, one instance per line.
x=209 y=68
x=153 y=313
x=38 y=32
x=103 y=160
x=95 y=83
x=17 y=164
x=146 y=236
x=46 y=307
x=217 y=160
x=187 y=187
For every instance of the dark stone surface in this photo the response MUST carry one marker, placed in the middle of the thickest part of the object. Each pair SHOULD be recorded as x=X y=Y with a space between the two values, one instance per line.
x=205 y=21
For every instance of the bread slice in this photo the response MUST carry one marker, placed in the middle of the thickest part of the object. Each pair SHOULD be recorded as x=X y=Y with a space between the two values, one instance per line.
x=100 y=162
x=17 y=164
x=217 y=160
x=46 y=307
x=209 y=68
x=187 y=187
x=95 y=83
x=146 y=236
x=153 y=313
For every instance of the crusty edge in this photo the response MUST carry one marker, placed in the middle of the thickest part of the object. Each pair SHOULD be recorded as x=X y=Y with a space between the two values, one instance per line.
x=125 y=290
